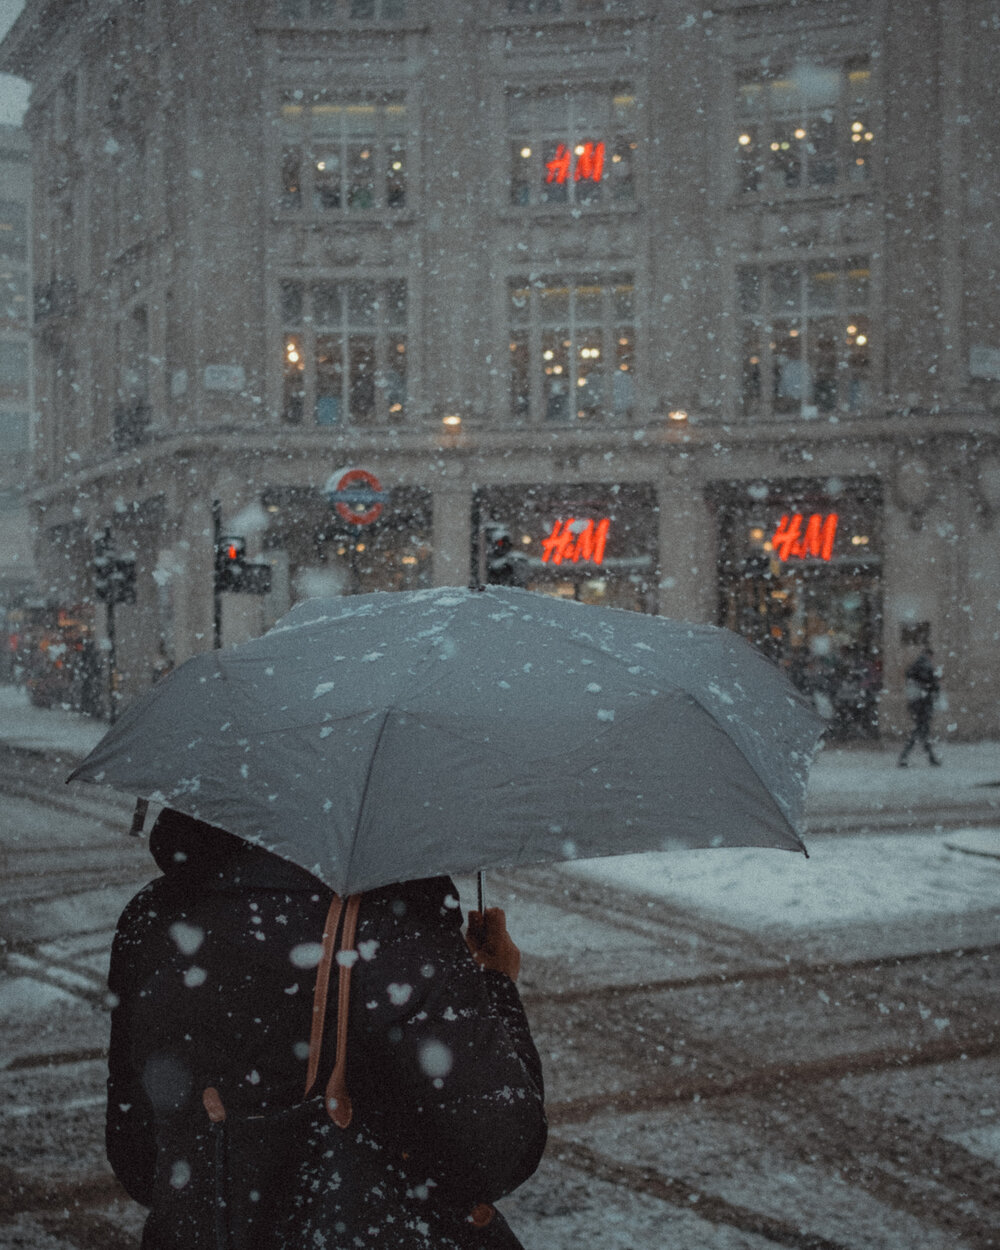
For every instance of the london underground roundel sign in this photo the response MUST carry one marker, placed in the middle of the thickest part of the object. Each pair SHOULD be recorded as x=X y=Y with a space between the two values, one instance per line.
x=357 y=496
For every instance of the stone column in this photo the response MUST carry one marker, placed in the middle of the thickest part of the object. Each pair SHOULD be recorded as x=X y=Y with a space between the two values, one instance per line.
x=687 y=546
x=452 y=535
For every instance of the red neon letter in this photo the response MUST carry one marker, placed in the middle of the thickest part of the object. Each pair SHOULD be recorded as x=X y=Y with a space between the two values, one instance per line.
x=559 y=544
x=785 y=538
x=558 y=167
x=590 y=163
x=591 y=541
x=819 y=536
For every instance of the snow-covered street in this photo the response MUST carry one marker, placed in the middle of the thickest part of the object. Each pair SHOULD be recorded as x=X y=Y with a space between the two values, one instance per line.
x=742 y=1048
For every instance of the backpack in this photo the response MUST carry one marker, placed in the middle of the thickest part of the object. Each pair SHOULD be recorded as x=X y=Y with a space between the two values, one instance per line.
x=311 y=1174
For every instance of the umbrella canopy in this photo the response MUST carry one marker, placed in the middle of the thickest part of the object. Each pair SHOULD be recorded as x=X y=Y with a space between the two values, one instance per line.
x=383 y=737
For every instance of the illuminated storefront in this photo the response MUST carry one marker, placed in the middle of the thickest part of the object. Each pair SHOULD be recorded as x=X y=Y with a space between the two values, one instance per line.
x=326 y=553
x=800 y=577
x=592 y=542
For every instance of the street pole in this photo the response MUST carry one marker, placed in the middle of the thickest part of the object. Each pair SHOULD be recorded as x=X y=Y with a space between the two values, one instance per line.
x=216 y=594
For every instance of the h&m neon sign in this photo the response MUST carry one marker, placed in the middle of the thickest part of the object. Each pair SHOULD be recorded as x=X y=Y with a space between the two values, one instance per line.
x=576 y=540
x=796 y=536
x=588 y=166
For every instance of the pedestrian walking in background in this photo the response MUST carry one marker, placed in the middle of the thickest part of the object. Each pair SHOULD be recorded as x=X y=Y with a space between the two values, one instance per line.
x=434 y=1108
x=922 y=687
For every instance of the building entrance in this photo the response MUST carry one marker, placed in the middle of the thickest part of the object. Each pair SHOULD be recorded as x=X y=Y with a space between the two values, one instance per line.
x=800 y=577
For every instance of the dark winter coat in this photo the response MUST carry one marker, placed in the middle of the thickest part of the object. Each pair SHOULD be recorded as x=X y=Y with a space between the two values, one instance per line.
x=922 y=683
x=212 y=973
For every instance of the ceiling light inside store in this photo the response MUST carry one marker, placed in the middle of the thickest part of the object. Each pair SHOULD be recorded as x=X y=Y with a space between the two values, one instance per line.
x=678 y=415
x=452 y=420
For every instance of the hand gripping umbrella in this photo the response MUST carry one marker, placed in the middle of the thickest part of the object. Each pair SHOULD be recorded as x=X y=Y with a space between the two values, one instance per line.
x=378 y=738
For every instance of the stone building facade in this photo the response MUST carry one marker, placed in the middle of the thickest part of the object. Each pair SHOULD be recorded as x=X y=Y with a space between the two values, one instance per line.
x=687 y=312
x=17 y=586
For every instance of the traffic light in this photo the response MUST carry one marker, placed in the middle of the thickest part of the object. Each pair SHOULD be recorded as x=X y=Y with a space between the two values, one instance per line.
x=114 y=575
x=504 y=565
x=230 y=563
x=233 y=573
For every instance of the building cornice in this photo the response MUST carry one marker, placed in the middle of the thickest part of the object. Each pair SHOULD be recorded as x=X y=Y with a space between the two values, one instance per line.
x=707 y=449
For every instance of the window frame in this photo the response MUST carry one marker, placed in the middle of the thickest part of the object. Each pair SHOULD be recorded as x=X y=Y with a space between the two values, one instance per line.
x=536 y=338
x=802 y=322
x=575 y=142
x=306 y=337
x=779 y=137
x=300 y=157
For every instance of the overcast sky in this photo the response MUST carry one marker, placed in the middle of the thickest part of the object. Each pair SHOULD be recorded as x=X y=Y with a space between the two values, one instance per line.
x=13 y=91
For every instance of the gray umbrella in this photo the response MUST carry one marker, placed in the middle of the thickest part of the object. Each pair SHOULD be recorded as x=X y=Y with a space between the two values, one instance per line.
x=382 y=737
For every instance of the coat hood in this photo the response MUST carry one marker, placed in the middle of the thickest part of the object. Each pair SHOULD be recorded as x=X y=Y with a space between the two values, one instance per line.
x=186 y=848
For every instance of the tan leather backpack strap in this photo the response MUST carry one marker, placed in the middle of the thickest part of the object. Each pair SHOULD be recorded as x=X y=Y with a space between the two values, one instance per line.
x=338 y=1100
x=320 y=992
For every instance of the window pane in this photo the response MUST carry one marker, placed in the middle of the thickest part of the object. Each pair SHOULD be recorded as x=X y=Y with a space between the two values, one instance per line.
x=360 y=177
x=395 y=377
x=326 y=181
x=823 y=353
x=293 y=391
x=785 y=288
x=553 y=305
x=821 y=152
x=752 y=372
x=329 y=381
x=589 y=357
x=394 y=303
x=858 y=363
x=291 y=303
x=789 y=384
x=623 y=386
x=327 y=303
x=520 y=385
x=822 y=290
x=362 y=379
x=395 y=177
x=362 y=303
x=291 y=178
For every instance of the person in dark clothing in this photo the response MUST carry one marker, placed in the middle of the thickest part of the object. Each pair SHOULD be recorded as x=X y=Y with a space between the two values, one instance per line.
x=922 y=687
x=212 y=975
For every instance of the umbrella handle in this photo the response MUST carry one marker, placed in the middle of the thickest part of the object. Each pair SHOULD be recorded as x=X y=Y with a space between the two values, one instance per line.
x=481 y=892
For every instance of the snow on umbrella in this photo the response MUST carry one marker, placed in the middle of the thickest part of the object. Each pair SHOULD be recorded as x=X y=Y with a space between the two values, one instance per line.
x=378 y=738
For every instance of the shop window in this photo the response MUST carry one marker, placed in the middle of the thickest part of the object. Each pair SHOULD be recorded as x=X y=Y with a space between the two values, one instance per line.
x=800 y=577
x=344 y=352
x=572 y=149
x=340 y=156
x=572 y=348
x=805 y=129
x=806 y=338
x=595 y=542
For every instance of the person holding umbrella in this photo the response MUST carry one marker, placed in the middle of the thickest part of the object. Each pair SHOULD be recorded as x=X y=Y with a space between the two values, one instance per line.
x=434 y=1106
x=358 y=755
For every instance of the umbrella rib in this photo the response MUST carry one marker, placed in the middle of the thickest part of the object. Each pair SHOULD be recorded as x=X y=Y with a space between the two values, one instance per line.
x=364 y=797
